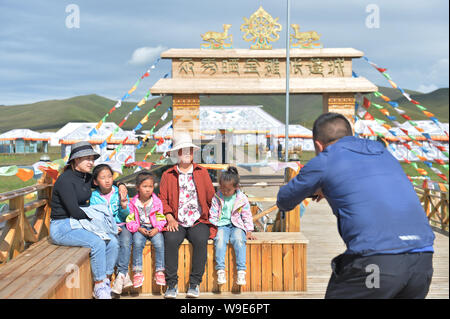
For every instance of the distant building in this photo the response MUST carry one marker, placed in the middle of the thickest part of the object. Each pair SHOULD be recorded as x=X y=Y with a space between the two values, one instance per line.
x=81 y=133
x=23 y=141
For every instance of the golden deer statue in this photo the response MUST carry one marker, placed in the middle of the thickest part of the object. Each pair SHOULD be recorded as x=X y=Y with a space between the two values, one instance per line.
x=303 y=38
x=218 y=37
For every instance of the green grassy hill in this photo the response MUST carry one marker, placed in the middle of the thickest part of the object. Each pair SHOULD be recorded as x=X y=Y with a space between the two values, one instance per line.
x=436 y=102
x=304 y=109
x=52 y=115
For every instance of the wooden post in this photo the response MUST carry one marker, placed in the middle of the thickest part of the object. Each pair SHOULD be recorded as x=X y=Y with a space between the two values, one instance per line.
x=342 y=103
x=42 y=223
x=18 y=243
x=291 y=222
x=186 y=114
x=444 y=211
x=426 y=202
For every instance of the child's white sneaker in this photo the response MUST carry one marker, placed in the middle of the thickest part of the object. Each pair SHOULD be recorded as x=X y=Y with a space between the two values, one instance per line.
x=127 y=283
x=241 y=278
x=221 y=279
x=118 y=284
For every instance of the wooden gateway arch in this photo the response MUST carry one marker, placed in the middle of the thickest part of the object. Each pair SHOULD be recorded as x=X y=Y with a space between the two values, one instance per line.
x=195 y=72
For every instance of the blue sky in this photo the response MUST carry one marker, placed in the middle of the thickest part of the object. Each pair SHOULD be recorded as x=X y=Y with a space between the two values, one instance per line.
x=41 y=58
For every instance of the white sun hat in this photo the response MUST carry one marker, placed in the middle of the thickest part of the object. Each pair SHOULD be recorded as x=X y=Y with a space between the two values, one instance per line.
x=182 y=140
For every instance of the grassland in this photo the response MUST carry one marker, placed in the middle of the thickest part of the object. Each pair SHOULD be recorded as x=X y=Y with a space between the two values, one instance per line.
x=304 y=108
x=51 y=115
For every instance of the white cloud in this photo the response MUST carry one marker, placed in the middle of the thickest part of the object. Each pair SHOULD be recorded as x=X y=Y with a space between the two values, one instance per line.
x=424 y=88
x=145 y=55
x=439 y=70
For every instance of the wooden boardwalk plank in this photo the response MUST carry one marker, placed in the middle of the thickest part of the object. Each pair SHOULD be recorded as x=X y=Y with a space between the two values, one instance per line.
x=319 y=220
x=319 y=227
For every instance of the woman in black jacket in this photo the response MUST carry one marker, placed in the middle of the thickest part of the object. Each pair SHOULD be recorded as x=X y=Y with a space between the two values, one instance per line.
x=72 y=190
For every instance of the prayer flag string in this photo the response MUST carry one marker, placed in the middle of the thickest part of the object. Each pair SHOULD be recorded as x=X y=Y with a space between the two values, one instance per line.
x=123 y=98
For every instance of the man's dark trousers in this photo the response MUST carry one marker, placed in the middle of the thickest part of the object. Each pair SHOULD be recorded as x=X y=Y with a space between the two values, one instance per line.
x=400 y=276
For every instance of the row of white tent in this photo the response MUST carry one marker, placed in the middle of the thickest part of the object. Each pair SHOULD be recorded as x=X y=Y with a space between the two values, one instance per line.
x=397 y=137
x=246 y=124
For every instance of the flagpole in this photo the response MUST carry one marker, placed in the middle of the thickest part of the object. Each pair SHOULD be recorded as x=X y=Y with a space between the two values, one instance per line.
x=286 y=134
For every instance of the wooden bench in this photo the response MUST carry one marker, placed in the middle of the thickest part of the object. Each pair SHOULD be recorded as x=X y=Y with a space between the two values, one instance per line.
x=46 y=271
x=275 y=262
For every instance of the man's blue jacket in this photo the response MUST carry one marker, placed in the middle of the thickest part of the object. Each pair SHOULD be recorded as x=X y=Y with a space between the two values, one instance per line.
x=377 y=209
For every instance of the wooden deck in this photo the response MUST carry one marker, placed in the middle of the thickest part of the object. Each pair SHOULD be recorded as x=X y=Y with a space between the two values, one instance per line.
x=319 y=226
x=319 y=220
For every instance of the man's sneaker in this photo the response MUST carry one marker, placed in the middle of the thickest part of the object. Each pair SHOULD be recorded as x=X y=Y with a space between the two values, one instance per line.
x=171 y=292
x=160 y=278
x=138 y=279
x=118 y=284
x=241 y=278
x=102 y=291
x=193 y=291
x=127 y=283
x=221 y=279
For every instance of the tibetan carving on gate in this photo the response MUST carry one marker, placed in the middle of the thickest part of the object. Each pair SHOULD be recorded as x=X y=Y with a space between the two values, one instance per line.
x=304 y=40
x=216 y=40
x=240 y=67
x=261 y=29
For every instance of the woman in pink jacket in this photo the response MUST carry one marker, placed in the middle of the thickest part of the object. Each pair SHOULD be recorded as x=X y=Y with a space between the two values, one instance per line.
x=146 y=221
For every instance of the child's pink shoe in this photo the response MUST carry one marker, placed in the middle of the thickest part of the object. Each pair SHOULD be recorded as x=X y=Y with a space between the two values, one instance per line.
x=138 y=280
x=160 y=278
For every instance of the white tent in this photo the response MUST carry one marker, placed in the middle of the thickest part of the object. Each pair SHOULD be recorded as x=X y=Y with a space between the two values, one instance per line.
x=437 y=133
x=248 y=125
x=299 y=137
x=25 y=134
x=63 y=131
x=397 y=137
x=23 y=141
x=81 y=133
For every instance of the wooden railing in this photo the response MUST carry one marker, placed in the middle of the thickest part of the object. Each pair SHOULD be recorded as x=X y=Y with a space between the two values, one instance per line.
x=21 y=229
x=284 y=221
x=435 y=204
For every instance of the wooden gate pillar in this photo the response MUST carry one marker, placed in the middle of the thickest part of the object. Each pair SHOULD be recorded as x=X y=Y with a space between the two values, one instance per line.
x=342 y=103
x=186 y=114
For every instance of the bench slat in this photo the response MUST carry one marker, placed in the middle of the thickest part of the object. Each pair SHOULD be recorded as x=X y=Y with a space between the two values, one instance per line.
x=37 y=274
x=77 y=256
x=275 y=262
x=269 y=238
x=8 y=275
x=7 y=267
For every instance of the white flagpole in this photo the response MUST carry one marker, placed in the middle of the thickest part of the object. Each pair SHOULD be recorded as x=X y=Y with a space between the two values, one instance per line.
x=286 y=135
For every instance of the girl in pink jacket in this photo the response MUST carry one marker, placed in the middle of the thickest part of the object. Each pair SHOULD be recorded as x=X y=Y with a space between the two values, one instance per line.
x=230 y=212
x=146 y=222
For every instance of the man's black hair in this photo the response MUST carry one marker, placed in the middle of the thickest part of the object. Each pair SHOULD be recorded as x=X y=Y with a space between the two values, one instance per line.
x=330 y=127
